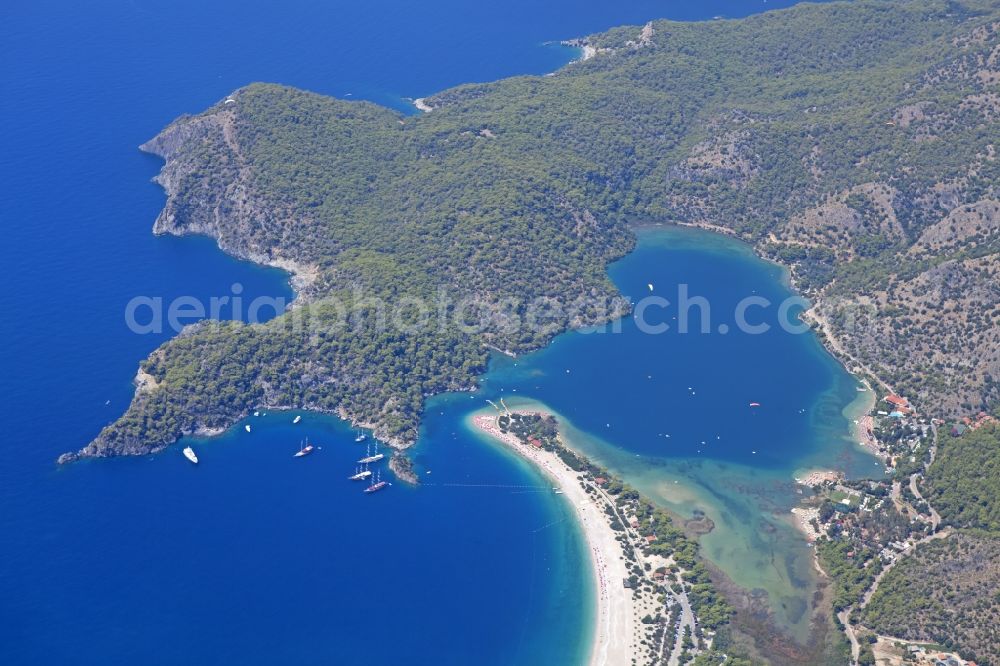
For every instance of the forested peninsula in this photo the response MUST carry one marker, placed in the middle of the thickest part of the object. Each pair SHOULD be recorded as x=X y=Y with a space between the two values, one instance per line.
x=852 y=142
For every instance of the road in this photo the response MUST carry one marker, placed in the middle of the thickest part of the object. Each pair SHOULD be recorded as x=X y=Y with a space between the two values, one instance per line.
x=687 y=619
x=844 y=617
x=935 y=516
x=687 y=616
x=935 y=519
x=838 y=350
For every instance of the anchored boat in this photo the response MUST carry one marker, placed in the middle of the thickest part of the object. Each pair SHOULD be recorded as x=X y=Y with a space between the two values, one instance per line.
x=305 y=449
x=361 y=474
x=190 y=455
x=370 y=458
x=377 y=484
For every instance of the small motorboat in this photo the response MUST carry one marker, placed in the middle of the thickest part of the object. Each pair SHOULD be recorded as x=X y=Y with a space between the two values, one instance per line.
x=296 y=419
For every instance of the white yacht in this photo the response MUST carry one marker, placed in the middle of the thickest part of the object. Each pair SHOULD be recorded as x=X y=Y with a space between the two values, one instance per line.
x=304 y=449
x=361 y=474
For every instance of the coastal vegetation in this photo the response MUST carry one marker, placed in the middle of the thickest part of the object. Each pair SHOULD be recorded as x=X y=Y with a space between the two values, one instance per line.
x=912 y=557
x=945 y=590
x=964 y=482
x=638 y=519
x=946 y=593
x=851 y=568
x=860 y=154
x=852 y=142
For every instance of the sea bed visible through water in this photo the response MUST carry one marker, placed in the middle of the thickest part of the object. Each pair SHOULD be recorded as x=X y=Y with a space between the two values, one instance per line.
x=254 y=557
x=671 y=412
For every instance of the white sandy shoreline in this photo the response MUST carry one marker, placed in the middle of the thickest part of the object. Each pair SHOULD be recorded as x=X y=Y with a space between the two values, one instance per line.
x=614 y=614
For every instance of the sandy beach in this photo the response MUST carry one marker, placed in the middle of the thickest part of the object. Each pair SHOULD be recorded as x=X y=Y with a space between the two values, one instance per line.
x=614 y=617
x=818 y=477
x=863 y=431
x=803 y=521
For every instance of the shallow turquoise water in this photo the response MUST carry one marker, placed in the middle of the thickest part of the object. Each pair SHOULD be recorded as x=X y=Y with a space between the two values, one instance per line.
x=672 y=412
x=250 y=558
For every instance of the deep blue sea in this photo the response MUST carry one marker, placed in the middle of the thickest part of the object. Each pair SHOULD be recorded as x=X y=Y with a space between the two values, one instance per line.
x=253 y=557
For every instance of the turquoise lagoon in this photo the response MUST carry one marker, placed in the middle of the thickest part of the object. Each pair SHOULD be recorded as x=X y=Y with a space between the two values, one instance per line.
x=254 y=557
x=671 y=412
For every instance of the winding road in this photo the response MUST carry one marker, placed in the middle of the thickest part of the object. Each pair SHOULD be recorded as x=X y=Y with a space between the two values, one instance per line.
x=935 y=520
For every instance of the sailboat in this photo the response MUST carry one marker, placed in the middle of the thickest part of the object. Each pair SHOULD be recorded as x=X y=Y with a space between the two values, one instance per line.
x=360 y=437
x=190 y=455
x=371 y=458
x=377 y=484
x=304 y=450
x=361 y=474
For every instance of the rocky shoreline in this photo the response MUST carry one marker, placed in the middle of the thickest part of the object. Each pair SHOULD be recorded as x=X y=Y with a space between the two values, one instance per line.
x=216 y=126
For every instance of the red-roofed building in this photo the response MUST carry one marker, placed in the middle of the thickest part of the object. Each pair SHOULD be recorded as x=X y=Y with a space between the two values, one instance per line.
x=600 y=480
x=534 y=442
x=981 y=420
x=897 y=401
x=650 y=538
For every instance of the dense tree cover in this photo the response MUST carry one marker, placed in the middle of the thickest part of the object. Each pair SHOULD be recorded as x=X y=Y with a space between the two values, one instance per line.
x=963 y=484
x=217 y=372
x=717 y=658
x=533 y=427
x=851 y=569
x=947 y=593
x=851 y=551
x=523 y=189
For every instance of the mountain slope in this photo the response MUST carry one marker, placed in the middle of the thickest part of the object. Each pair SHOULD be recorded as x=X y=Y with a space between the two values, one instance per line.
x=853 y=142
